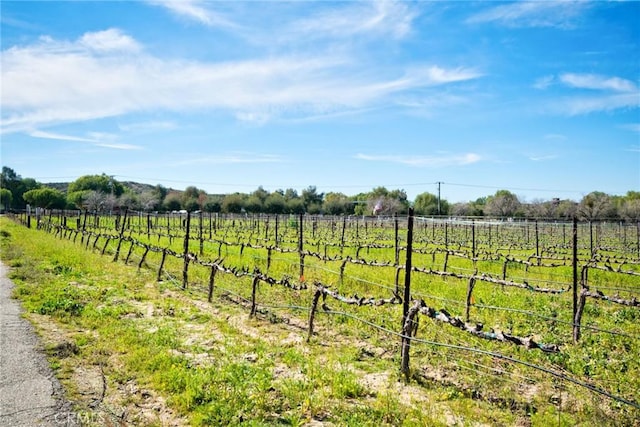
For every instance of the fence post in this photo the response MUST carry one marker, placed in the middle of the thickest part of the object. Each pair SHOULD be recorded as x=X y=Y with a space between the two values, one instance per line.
x=472 y=283
x=591 y=237
x=397 y=249
x=185 y=273
x=537 y=243
x=344 y=226
x=164 y=257
x=211 y=280
x=407 y=270
x=473 y=241
x=408 y=329
x=254 y=286
x=312 y=314
x=117 y=254
x=200 y=236
x=575 y=274
x=301 y=245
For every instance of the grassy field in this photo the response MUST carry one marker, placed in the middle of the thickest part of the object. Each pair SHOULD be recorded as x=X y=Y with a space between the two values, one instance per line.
x=134 y=351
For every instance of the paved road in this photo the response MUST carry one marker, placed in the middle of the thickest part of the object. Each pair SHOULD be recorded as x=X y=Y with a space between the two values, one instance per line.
x=30 y=395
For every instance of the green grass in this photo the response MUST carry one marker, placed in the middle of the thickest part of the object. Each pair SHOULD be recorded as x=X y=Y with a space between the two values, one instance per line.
x=209 y=364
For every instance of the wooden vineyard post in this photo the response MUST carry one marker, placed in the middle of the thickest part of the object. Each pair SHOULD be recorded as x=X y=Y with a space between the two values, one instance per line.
x=144 y=256
x=537 y=243
x=446 y=236
x=126 y=260
x=185 y=269
x=397 y=292
x=276 y=230
x=397 y=249
x=473 y=241
x=575 y=274
x=591 y=238
x=301 y=245
x=164 y=257
x=407 y=270
x=344 y=226
x=408 y=328
x=212 y=277
x=254 y=286
x=312 y=314
x=578 y=316
x=472 y=283
x=115 y=257
x=200 y=238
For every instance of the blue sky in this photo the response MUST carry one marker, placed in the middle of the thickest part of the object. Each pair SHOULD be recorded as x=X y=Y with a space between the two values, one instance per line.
x=540 y=98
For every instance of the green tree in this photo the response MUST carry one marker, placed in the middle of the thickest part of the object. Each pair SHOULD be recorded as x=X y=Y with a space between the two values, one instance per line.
x=596 y=205
x=13 y=182
x=213 y=204
x=261 y=194
x=337 y=204
x=45 y=197
x=427 y=204
x=253 y=204
x=290 y=194
x=275 y=203
x=160 y=192
x=311 y=199
x=233 y=203
x=77 y=198
x=5 y=198
x=502 y=204
x=295 y=206
x=102 y=183
x=172 y=201
x=381 y=201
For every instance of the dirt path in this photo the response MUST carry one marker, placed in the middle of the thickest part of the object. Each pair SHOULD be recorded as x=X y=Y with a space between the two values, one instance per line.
x=30 y=395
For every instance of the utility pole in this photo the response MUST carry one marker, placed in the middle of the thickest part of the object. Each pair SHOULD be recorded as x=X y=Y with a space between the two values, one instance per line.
x=439 y=182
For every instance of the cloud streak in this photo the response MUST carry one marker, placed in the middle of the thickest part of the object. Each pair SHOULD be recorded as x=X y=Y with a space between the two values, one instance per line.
x=424 y=161
x=560 y=14
x=381 y=18
x=95 y=139
x=194 y=10
x=605 y=93
x=107 y=74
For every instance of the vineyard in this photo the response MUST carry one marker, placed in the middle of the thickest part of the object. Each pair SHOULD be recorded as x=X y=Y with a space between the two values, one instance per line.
x=528 y=316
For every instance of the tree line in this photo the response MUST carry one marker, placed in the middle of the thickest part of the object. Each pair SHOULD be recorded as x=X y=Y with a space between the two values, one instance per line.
x=105 y=194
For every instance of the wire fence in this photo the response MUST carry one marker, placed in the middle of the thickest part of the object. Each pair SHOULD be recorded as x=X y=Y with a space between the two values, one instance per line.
x=523 y=255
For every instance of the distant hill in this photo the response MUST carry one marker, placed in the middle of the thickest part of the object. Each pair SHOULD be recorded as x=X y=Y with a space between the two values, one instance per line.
x=135 y=187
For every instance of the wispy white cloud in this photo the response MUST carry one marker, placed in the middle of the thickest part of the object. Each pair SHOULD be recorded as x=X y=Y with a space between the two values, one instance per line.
x=196 y=10
x=381 y=17
x=560 y=14
x=555 y=137
x=541 y=158
x=586 y=105
x=424 y=161
x=109 y=40
x=596 y=82
x=119 y=146
x=607 y=93
x=107 y=74
x=150 y=126
x=97 y=139
x=59 y=136
x=543 y=82
x=435 y=75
